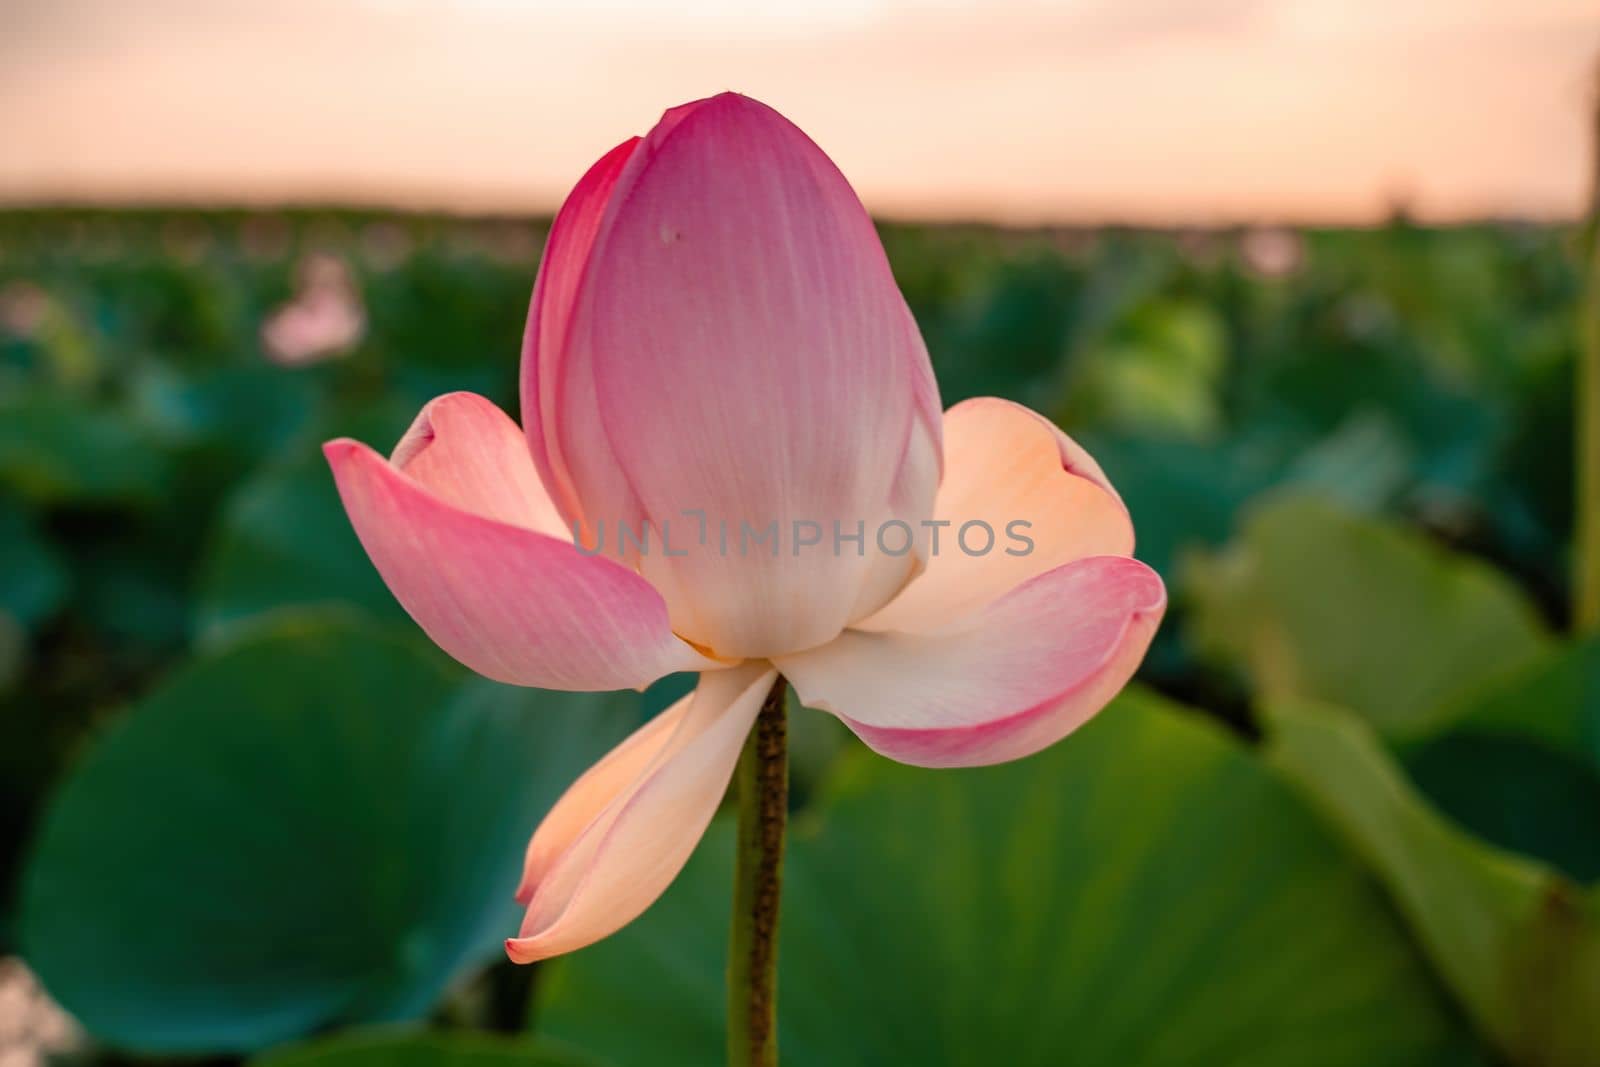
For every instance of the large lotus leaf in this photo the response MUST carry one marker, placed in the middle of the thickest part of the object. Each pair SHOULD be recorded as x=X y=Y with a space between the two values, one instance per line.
x=1518 y=943
x=1519 y=795
x=1554 y=701
x=283 y=538
x=243 y=412
x=58 y=448
x=1520 y=766
x=1144 y=893
x=1314 y=602
x=323 y=822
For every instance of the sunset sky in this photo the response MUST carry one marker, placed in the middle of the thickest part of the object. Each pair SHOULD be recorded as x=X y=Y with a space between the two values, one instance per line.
x=1015 y=110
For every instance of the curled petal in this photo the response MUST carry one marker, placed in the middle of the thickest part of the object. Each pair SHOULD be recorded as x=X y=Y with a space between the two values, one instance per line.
x=468 y=453
x=622 y=833
x=1019 y=498
x=455 y=536
x=738 y=350
x=1002 y=683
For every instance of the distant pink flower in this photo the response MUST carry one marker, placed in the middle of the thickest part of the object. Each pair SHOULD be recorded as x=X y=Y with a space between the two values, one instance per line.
x=24 y=308
x=325 y=319
x=1273 y=253
x=715 y=332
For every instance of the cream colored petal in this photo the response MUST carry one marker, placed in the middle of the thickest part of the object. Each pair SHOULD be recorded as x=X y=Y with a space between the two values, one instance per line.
x=632 y=848
x=1018 y=498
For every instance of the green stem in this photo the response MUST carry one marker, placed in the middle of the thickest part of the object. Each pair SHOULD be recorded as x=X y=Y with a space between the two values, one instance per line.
x=762 y=781
x=1586 y=615
x=1586 y=549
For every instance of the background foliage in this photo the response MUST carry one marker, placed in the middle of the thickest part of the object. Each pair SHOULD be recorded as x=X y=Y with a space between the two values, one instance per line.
x=243 y=803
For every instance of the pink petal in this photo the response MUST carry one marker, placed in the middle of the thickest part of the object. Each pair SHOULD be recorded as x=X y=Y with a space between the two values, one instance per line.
x=566 y=254
x=454 y=536
x=471 y=455
x=1002 y=683
x=738 y=347
x=620 y=836
x=1011 y=474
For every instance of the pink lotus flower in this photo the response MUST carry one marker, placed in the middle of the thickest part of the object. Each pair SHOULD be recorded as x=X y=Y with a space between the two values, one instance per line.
x=325 y=319
x=715 y=333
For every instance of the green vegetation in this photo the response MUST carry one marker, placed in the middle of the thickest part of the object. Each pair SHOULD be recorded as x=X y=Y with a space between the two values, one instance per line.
x=1351 y=816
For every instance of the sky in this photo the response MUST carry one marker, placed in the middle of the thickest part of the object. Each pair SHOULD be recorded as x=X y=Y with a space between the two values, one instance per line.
x=1022 y=111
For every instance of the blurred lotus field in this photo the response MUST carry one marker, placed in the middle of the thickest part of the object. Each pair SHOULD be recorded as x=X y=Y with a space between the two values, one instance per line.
x=1349 y=816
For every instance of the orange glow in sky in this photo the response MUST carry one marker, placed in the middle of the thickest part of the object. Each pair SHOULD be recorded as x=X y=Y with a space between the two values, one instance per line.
x=1016 y=110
